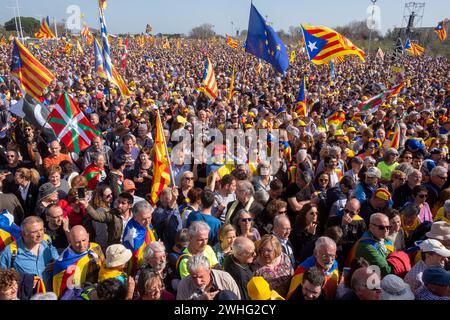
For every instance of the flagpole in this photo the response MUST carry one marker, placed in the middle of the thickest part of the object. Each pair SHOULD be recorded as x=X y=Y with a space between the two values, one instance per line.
x=56 y=29
x=172 y=179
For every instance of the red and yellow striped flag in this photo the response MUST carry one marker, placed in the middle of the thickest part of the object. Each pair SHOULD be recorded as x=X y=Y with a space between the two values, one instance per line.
x=230 y=94
x=395 y=142
x=32 y=74
x=161 y=169
x=120 y=83
x=209 y=80
x=44 y=30
x=337 y=118
x=231 y=42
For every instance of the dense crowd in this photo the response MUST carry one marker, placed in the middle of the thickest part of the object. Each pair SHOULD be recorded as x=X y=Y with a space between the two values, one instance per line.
x=339 y=215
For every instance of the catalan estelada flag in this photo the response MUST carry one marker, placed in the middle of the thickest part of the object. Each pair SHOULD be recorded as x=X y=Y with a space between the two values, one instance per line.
x=323 y=44
x=413 y=48
x=9 y=231
x=120 y=83
x=395 y=141
x=331 y=277
x=44 y=30
x=73 y=269
x=440 y=30
x=161 y=169
x=301 y=100
x=136 y=238
x=209 y=80
x=31 y=74
x=337 y=118
x=231 y=42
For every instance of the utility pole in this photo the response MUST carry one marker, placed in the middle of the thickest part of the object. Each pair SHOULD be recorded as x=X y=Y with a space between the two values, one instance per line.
x=15 y=19
x=372 y=26
x=20 y=23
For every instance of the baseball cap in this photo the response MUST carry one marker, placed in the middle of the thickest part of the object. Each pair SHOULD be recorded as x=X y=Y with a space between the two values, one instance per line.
x=435 y=151
x=351 y=129
x=383 y=193
x=436 y=275
x=128 y=185
x=432 y=245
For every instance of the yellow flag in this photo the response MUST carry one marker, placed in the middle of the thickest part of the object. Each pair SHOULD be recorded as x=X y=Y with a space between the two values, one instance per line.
x=178 y=44
x=120 y=83
x=89 y=40
x=79 y=48
x=292 y=57
x=120 y=42
x=230 y=93
x=68 y=48
x=166 y=44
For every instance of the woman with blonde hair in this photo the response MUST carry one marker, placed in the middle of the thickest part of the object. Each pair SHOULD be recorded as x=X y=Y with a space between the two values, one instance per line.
x=227 y=234
x=272 y=264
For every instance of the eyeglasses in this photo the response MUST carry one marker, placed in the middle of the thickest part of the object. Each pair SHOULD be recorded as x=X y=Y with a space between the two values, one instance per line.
x=407 y=157
x=423 y=196
x=189 y=178
x=264 y=250
x=28 y=129
x=282 y=211
x=108 y=195
x=247 y=220
x=442 y=178
x=381 y=228
x=10 y=156
x=323 y=180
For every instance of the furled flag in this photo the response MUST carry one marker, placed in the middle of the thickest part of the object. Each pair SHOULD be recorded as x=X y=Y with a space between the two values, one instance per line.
x=323 y=44
x=209 y=80
x=68 y=48
x=98 y=62
x=9 y=231
x=301 y=100
x=148 y=28
x=379 y=54
x=395 y=142
x=137 y=238
x=258 y=68
x=120 y=83
x=79 y=48
x=337 y=118
x=178 y=43
x=413 y=48
x=85 y=31
x=161 y=169
x=107 y=64
x=31 y=74
x=71 y=126
x=102 y=5
x=440 y=30
x=44 y=30
x=125 y=54
x=292 y=57
x=72 y=269
x=263 y=42
x=230 y=93
x=373 y=103
x=231 y=42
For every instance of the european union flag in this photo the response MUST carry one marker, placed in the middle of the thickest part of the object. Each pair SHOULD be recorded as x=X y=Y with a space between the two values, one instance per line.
x=263 y=42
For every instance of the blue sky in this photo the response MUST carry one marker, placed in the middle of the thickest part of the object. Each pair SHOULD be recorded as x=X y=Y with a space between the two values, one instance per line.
x=172 y=16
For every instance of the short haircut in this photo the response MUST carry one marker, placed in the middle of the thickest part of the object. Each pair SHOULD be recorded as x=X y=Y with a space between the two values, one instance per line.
x=197 y=262
x=118 y=162
x=196 y=227
x=248 y=187
x=324 y=241
x=418 y=189
x=276 y=185
x=30 y=220
x=152 y=248
x=375 y=216
x=277 y=220
x=227 y=179
x=438 y=171
x=207 y=198
x=140 y=206
x=447 y=206
x=112 y=289
x=314 y=276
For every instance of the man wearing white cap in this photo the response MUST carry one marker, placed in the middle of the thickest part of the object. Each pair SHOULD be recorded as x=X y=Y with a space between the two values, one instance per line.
x=434 y=254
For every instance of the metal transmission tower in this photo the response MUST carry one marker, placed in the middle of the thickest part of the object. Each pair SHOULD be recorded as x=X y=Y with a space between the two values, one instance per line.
x=412 y=17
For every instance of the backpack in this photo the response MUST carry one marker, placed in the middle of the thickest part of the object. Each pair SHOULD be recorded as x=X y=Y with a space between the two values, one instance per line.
x=78 y=293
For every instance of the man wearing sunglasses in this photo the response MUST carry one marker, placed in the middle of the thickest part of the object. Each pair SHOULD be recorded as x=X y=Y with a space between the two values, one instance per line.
x=374 y=245
x=438 y=178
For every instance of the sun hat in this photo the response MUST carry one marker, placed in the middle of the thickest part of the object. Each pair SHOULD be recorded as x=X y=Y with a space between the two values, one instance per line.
x=116 y=255
x=440 y=230
x=394 y=288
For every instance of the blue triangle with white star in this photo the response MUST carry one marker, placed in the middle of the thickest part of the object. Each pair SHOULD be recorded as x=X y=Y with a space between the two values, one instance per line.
x=313 y=44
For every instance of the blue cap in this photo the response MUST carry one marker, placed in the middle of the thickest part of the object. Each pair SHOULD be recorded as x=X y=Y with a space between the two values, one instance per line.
x=414 y=145
x=436 y=275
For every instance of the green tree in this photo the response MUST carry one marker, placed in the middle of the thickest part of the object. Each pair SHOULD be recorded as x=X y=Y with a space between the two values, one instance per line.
x=29 y=25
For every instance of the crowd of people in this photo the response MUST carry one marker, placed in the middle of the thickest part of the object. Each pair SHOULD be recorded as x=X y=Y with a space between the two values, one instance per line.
x=340 y=206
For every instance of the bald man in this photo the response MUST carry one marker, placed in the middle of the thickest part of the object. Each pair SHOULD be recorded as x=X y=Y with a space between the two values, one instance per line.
x=80 y=262
x=365 y=283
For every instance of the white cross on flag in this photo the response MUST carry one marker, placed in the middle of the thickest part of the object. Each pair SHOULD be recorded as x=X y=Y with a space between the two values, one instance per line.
x=71 y=126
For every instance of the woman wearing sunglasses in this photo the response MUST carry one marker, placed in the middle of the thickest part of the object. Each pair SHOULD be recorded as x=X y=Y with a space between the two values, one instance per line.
x=419 y=195
x=244 y=223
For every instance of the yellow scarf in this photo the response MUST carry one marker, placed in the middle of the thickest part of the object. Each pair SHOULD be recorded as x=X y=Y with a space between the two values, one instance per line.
x=106 y=273
x=440 y=216
x=410 y=229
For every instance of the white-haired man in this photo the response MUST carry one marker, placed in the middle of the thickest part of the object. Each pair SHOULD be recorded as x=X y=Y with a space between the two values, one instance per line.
x=204 y=283
x=244 y=200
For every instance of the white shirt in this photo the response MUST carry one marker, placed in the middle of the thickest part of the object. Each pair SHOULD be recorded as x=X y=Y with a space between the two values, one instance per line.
x=24 y=191
x=124 y=222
